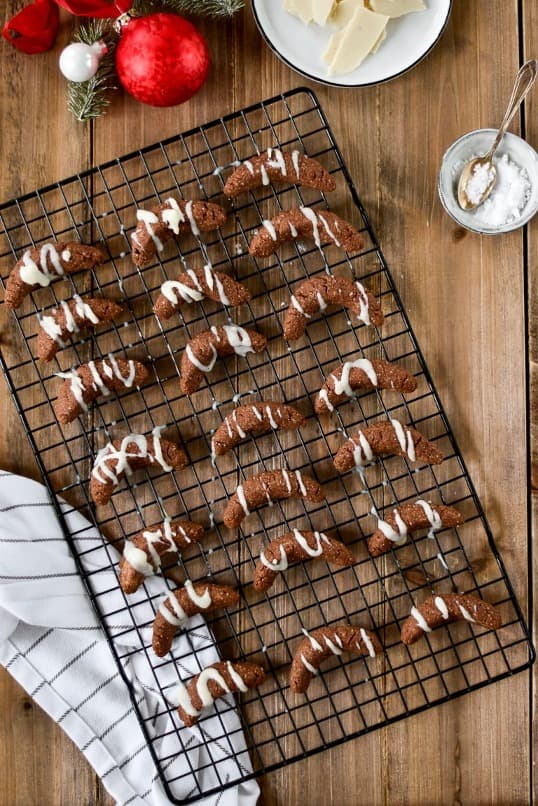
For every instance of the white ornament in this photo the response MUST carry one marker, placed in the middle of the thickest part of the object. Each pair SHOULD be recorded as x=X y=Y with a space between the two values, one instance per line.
x=80 y=62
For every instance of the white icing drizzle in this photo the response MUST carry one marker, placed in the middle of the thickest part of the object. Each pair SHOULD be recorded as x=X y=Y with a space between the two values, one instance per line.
x=362 y=452
x=110 y=462
x=52 y=329
x=249 y=166
x=238 y=339
x=278 y=161
x=364 y=312
x=300 y=483
x=442 y=561
x=137 y=558
x=433 y=517
x=295 y=162
x=179 y=698
x=322 y=305
x=265 y=176
x=84 y=310
x=270 y=227
x=298 y=307
x=405 y=439
x=236 y=678
x=336 y=650
x=308 y=665
x=70 y=324
x=319 y=537
x=238 y=428
x=192 y=221
x=287 y=480
x=173 y=290
x=202 y=685
x=66 y=255
x=465 y=613
x=77 y=387
x=149 y=220
x=292 y=229
x=440 y=604
x=315 y=644
x=398 y=535
x=257 y=413
x=203 y=600
x=342 y=385
x=275 y=565
x=33 y=274
x=367 y=642
x=312 y=217
x=197 y=363
x=178 y=617
x=328 y=230
x=269 y=413
x=324 y=395
x=240 y=492
x=421 y=621
x=173 y=216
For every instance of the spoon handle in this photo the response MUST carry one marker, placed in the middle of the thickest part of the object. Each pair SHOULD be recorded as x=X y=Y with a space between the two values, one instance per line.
x=524 y=81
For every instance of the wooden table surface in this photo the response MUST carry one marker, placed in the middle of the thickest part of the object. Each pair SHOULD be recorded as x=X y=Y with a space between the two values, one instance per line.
x=470 y=301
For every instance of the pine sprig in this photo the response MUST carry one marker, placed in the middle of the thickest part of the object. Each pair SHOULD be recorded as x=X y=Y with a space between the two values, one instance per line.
x=88 y=99
x=206 y=8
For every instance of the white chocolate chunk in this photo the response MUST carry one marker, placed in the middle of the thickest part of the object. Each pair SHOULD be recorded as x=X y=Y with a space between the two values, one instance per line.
x=350 y=46
x=396 y=8
x=321 y=10
x=343 y=12
x=301 y=9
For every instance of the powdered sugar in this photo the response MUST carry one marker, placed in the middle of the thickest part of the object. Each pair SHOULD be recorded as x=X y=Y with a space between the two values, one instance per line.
x=509 y=196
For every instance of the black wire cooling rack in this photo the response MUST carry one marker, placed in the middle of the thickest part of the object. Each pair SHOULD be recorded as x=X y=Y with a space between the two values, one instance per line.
x=351 y=696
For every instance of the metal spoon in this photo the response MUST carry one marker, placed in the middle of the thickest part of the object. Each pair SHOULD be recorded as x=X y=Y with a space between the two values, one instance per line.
x=524 y=81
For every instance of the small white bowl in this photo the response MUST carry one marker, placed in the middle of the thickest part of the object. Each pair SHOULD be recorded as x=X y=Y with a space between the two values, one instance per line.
x=476 y=144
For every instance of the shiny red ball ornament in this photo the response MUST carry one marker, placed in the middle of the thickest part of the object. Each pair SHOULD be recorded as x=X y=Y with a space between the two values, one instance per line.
x=161 y=59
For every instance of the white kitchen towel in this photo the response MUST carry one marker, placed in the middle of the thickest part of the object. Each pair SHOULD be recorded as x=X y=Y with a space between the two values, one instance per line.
x=52 y=644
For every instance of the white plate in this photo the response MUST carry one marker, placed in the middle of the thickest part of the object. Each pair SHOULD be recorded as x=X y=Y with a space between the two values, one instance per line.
x=409 y=39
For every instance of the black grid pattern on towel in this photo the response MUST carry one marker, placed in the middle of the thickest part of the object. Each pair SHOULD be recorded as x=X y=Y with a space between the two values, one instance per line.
x=351 y=696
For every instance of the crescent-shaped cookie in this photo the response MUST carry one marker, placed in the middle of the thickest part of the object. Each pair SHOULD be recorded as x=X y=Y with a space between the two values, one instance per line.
x=174 y=217
x=254 y=418
x=133 y=452
x=65 y=322
x=317 y=293
x=89 y=381
x=386 y=438
x=408 y=518
x=180 y=604
x=321 y=226
x=278 y=167
x=39 y=267
x=201 y=353
x=447 y=607
x=193 y=286
x=143 y=555
x=266 y=487
x=213 y=682
x=361 y=375
x=320 y=644
x=294 y=547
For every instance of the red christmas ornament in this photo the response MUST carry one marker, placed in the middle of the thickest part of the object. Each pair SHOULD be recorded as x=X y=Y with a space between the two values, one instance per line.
x=34 y=28
x=96 y=8
x=161 y=59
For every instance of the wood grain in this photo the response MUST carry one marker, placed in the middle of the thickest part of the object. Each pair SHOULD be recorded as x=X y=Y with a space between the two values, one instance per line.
x=465 y=297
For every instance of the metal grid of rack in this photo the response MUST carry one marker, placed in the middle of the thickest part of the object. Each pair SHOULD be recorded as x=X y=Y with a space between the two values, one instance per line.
x=351 y=696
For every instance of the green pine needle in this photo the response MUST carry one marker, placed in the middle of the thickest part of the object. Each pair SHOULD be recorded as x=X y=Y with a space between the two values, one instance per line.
x=88 y=99
x=207 y=8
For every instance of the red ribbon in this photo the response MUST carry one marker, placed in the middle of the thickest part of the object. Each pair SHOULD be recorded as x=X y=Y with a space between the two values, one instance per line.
x=34 y=28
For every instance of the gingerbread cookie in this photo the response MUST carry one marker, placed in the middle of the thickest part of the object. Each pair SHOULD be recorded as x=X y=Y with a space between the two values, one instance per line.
x=265 y=488
x=193 y=286
x=447 y=607
x=409 y=518
x=214 y=681
x=86 y=383
x=361 y=375
x=279 y=167
x=65 y=322
x=254 y=418
x=321 y=226
x=317 y=293
x=180 y=604
x=175 y=217
x=133 y=452
x=143 y=555
x=294 y=547
x=387 y=438
x=201 y=353
x=39 y=267
x=320 y=644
